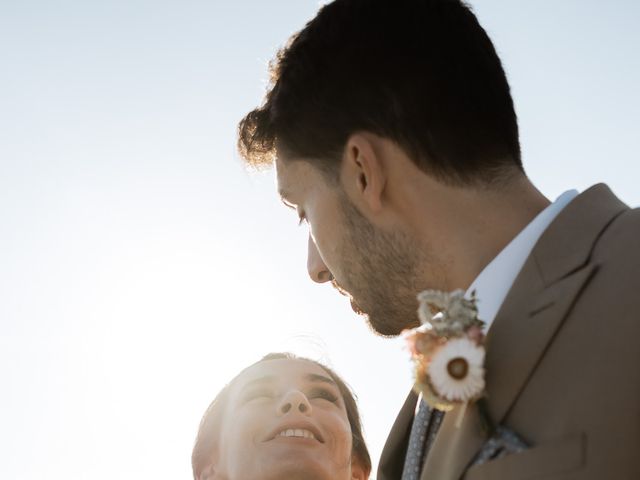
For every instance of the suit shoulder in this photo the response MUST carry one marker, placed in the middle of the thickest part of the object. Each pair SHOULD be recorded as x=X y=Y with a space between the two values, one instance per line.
x=617 y=254
x=622 y=235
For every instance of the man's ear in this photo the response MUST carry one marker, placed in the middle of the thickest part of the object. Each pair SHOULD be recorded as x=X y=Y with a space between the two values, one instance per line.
x=358 y=471
x=363 y=174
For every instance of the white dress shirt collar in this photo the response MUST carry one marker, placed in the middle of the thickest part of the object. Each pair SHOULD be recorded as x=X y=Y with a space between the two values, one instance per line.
x=494 y=282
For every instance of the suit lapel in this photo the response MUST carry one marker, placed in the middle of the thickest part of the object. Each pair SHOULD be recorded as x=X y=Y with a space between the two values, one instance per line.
x=519 y=337
x=395 y=448
x=454 y=446
x=542 y=295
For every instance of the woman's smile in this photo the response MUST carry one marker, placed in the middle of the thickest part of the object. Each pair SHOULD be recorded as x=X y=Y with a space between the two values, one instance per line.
x=299 y=430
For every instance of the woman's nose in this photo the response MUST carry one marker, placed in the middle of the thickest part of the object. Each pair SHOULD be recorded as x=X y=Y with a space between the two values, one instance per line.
x=294 y=401
x=318 y=271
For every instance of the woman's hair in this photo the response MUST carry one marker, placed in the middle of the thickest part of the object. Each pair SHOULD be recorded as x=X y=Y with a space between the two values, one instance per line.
x=211 y=422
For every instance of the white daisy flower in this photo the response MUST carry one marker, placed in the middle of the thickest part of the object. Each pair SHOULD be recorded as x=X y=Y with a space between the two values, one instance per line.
x=456 y=370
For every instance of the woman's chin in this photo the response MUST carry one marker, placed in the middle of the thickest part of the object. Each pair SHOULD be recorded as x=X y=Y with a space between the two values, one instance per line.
x=297 y=463
x=294 y=469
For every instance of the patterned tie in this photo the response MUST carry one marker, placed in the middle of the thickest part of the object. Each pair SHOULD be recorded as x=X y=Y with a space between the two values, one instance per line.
x=423 y=432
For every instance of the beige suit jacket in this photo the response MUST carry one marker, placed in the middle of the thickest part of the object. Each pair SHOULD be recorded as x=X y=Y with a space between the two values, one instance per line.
x=563 y=360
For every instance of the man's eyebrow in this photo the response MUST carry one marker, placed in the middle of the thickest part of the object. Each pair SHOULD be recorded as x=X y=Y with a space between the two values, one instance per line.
x=284 y=196
x=283 y=192
x=314 y=377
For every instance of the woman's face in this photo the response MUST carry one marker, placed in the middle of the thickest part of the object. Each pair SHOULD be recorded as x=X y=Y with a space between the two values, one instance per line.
x=285 y=419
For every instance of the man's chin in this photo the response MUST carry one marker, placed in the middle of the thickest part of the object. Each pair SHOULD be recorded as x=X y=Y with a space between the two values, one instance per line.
x=383 y=329
x=380 y=324
x=356 y=308
x=384 y=326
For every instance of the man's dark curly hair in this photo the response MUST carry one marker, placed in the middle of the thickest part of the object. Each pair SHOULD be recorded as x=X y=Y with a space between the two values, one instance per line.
x=422 y=73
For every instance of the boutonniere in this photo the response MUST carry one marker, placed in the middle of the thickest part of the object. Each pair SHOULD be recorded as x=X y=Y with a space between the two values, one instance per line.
x=448 y=350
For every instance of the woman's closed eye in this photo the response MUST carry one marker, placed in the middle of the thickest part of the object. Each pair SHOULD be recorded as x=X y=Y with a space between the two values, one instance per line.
x=323 y=394
x=258 y=394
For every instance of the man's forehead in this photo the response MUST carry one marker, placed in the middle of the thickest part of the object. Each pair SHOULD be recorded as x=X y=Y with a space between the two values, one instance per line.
x=290 y=175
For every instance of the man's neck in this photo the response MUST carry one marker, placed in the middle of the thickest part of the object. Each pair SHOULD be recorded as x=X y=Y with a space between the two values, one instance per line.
x=470 y=226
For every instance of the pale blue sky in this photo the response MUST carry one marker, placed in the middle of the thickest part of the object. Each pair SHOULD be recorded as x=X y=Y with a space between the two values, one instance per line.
x=141 y=266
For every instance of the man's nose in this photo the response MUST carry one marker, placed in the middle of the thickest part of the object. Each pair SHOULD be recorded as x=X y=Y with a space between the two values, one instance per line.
x=318 y=271
x=294 y=401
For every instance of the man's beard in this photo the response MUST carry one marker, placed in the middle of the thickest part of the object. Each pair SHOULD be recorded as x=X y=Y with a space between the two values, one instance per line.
x=382 y=273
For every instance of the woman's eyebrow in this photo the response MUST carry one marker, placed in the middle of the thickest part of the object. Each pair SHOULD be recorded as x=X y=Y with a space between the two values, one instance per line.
x=268 y=379
x=314 y=377
x=259 y=381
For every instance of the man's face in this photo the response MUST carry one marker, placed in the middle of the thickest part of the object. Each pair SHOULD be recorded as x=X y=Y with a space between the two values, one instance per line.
x=380 y=269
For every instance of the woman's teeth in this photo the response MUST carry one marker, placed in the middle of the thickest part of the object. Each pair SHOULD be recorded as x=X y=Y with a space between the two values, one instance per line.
x=297 y=433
